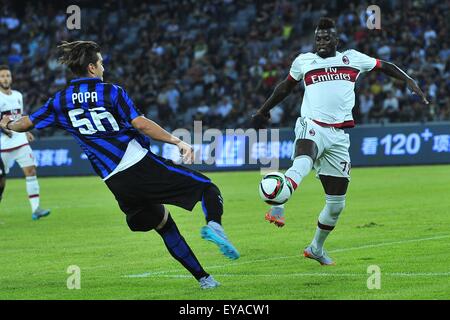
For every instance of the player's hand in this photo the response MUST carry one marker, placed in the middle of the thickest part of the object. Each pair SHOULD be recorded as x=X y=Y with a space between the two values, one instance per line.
x=186 y=151
x=412 y=84
x=260 y=120
x=8 y=133
x=3 y=124
x=30 y=137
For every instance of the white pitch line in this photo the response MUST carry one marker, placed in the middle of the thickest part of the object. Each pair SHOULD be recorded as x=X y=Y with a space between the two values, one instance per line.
x=419 y=274
x=275 y=275
x=149 y=274
x=390 y=243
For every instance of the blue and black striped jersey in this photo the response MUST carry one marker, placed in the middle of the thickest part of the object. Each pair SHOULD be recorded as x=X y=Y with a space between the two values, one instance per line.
x=98 y=115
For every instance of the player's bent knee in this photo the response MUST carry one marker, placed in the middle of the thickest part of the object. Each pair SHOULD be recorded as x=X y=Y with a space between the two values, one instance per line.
x=137 y=223
x=164 y=220
x=29 y=171
x=306 y=147
x=139 y=228
x=334 y=185
x=146 y=219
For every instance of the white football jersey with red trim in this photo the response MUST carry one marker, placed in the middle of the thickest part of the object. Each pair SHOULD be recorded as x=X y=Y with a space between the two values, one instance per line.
x=330 y=85
x=12 y=104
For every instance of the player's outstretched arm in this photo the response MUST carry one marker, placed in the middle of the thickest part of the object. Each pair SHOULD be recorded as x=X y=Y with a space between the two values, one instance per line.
x=154 y=131
x=21 y=125
x=395 y=72
x=282 y=90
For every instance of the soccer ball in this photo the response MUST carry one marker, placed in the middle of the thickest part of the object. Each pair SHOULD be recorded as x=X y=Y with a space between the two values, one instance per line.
x=275 y=188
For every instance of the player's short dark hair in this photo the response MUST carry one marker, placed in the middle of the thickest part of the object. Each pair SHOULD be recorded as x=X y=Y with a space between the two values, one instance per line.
x=77 y=55
x=325 y=23
x=4 y=67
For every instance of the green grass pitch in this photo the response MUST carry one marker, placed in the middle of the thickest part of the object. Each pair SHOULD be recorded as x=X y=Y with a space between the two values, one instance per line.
x=396 y=218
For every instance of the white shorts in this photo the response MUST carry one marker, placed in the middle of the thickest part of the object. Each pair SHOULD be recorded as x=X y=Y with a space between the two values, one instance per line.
x=23 y=156
x=333 y=158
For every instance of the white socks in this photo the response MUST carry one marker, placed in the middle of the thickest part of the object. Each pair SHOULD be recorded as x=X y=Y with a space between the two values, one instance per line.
x=300 y=168
x=334 y=204
x=327 y=221
x=318 y=241
x=33 y=192
x=333 y=208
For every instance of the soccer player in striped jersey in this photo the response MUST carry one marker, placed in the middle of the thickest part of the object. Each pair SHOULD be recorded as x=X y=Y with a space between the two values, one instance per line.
x=113 y=133
x=15 y=146
x=329 y=78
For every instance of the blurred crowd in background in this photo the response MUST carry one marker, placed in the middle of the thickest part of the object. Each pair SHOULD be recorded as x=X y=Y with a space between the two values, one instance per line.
x=219 y=60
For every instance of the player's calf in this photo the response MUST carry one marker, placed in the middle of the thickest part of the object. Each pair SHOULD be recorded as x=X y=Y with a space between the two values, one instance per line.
x=33 y=191
x=212 y=204
x=334 y=205
x=306 y=152
x=301 y=167
x=178 y=247
x=146 y=217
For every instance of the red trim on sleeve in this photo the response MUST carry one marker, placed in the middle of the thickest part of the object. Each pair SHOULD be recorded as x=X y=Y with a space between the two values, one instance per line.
x=378 y=64
x=291 y=78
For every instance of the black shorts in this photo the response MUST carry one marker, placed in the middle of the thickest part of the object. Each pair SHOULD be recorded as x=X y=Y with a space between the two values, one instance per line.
x=153 y=181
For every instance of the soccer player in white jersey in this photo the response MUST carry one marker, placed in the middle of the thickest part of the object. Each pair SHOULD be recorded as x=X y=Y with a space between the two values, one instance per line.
x=14 y=146
x=329 y=78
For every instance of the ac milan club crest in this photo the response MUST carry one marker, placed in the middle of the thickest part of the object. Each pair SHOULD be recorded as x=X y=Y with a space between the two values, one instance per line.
x=312 y=132
x=345 y=60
